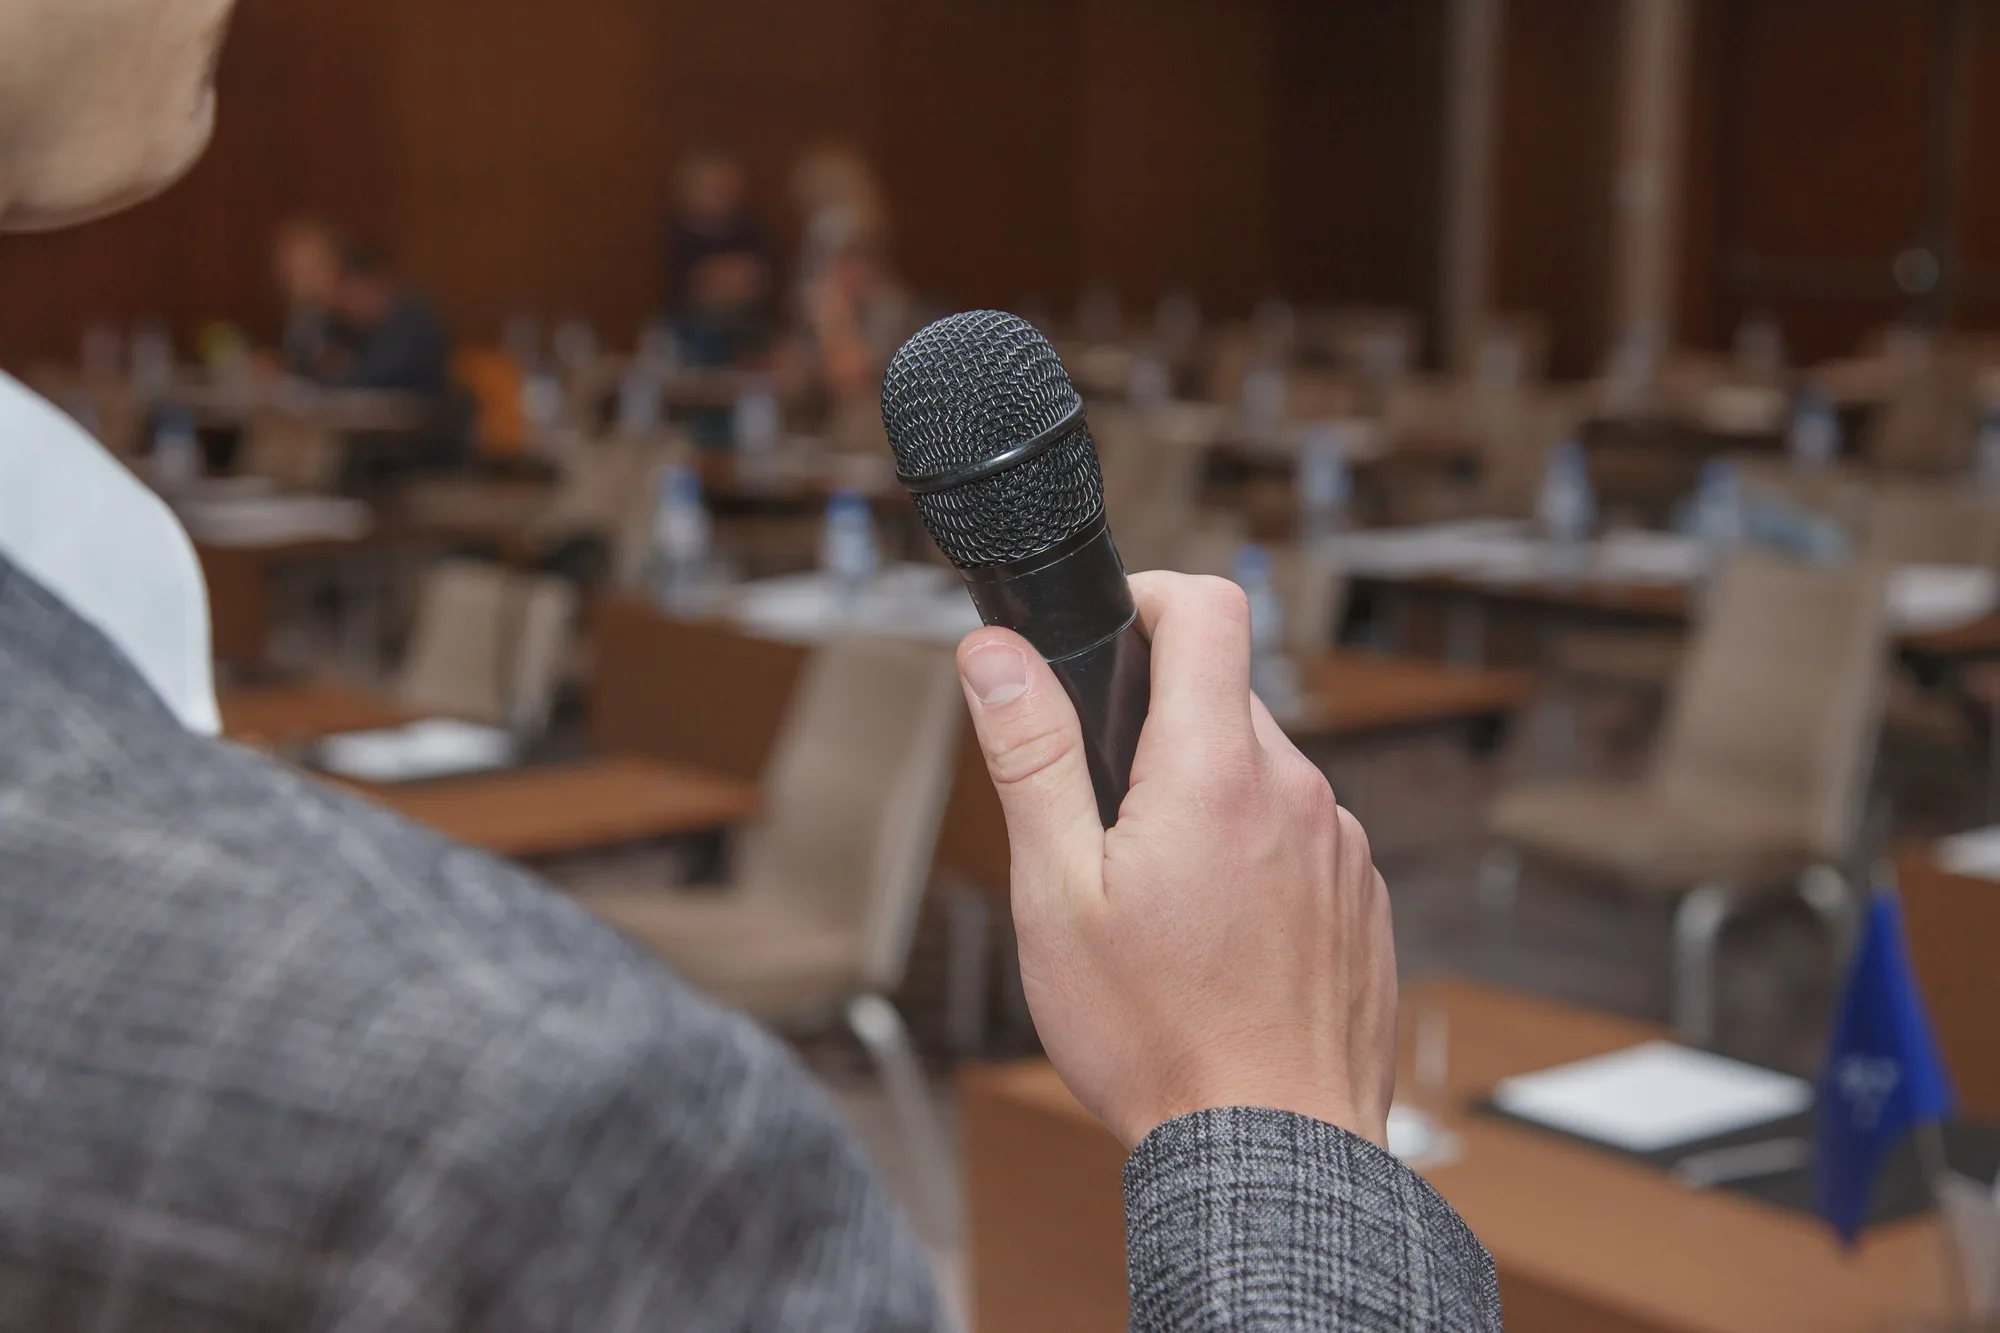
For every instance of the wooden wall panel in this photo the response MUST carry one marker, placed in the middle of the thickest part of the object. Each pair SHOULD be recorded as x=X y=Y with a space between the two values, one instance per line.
x=1178 y=149
x=1360 y=152
x=517 y=155
x=1558 y=119
x=306 y=123
x=976 y=138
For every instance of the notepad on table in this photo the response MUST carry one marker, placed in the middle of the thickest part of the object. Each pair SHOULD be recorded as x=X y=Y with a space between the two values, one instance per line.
x=1651 y=1097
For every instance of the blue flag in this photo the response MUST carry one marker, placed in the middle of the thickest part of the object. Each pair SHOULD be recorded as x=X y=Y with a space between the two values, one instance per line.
x=1883 y=1076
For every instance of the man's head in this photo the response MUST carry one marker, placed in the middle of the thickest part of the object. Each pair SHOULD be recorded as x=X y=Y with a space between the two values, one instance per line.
x=366 y=288
x=102 y=102
x=714 y=186
x=305 y=257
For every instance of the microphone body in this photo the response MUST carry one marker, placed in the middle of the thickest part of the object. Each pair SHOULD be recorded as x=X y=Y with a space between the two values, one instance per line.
x=1073 y=604
x=992 y=444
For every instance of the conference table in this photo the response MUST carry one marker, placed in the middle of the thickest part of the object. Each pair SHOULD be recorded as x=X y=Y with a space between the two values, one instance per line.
x=710 y=693
x=1585 y=1241
x=526 y=812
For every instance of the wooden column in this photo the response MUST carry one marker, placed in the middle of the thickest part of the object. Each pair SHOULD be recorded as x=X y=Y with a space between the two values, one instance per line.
x=1653 y=100
x=1472 y=80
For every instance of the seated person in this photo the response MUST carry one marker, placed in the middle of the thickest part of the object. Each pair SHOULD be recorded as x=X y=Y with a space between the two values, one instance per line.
x=391 y=338
x=721 y=265
x=857 y=314
x=305 y=258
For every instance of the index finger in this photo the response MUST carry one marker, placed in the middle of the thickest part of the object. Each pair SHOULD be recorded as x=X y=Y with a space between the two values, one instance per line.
x=1200 y=632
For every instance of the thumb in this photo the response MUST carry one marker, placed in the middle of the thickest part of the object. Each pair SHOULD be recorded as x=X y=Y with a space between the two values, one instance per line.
x=1034 y=752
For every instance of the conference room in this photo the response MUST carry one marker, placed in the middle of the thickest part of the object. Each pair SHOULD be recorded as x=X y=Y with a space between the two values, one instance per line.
x=1596 y=403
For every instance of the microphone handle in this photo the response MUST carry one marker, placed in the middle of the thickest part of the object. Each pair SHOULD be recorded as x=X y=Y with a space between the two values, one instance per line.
x=1073 y=604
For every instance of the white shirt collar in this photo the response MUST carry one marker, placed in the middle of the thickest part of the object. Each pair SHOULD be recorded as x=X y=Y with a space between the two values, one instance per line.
x=87 y=530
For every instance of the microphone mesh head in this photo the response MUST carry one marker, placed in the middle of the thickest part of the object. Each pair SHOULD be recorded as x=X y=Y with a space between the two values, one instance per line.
x=972 y=386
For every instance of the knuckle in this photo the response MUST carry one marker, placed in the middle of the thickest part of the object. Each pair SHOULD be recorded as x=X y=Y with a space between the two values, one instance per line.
x=1219 y=598
x=1352 y=838
x=1018 y=758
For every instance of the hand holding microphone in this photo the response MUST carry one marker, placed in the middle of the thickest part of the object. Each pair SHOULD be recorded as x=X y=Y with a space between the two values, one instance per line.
x=1227 y=943
x=1200 y=924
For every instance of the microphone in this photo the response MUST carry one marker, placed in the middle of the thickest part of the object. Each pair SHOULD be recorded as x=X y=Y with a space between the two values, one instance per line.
x=992 y=445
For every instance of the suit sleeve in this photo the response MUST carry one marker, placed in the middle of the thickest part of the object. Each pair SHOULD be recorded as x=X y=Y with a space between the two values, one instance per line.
x=1242 y=1218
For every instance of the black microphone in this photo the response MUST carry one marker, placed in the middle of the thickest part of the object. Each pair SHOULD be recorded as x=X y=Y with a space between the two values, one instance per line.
x=992 y=445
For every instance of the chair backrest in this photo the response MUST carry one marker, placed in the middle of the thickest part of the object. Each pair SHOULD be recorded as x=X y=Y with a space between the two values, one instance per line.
x=1311 y=587
x=1521 y=430
x=855 y=790
x=1150 y=485
x=1779 y=697
x=1841 y=493
x=1930 y=420
x=1917 y=523
x=488 y=645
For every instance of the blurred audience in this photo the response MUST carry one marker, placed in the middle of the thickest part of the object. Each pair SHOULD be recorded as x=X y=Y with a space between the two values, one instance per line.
x=305 y=259
x=840 y=208
x=721 y=265
x=390 y=338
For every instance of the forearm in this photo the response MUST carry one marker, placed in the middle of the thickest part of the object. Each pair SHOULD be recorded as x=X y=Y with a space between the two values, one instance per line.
x=1241 y=1218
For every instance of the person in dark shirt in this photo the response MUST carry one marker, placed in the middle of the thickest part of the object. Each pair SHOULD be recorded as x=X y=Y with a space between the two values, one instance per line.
x=305 y=260
x=393 y=339
x=721 y=266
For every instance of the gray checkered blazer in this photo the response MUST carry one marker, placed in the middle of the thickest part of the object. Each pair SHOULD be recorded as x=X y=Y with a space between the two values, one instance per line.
x=272 y=1059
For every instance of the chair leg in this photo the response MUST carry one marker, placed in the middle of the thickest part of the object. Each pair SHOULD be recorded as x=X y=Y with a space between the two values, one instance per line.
x=1824 y=889
x=966 y=914
x=1499 y=879
x=1698 y=923
x=880 y=1029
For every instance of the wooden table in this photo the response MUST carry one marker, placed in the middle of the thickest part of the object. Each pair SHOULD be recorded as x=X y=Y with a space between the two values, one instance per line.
x=707 y=693
x=1349 y=694
x=553 y=809
x=533 y=811
x=279 y=717
x=1952 y=923
x=1584 y=1240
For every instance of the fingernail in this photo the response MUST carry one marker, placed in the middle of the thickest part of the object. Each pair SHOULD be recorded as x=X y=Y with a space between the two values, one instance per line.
x=996 y=674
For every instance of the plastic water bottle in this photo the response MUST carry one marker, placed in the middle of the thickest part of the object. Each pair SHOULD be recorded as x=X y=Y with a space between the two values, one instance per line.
x=1567 y=507
x=757 y=424
x=1264 y=401
x=847 y=547
x=1814 y=439
x=152 y=358
x=639 y=401
x=1986 y=449
x=1274 y=677
x=574 y=344
x=681 y=538
x=1718 y=511
x=1150 y=386
x=176 y=451
x=1324 y=483
x=541 y=403
x=659 y=349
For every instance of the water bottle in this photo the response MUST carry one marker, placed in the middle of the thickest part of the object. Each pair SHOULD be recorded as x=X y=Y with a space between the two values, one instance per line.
x=659 y=349
x=847 y=547
x=757 y=424
x=1273 y=675
x=1986 y=450
x=1324 y=484
x=1150 y=386
x=639 y=401
x=541 y=403
x=574 y=345
x=152 y=359
x=1264 y=402
x=176 y=451
x=681 y=538
x=1814 y=439
x=1718 y=511
x=1566 y=506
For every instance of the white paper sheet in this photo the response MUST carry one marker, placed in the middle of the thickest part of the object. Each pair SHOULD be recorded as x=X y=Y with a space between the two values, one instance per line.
x=433 y=747
x=1939 y=597
x=1653 y=1096
x=1976 y=853
x=906 y=601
